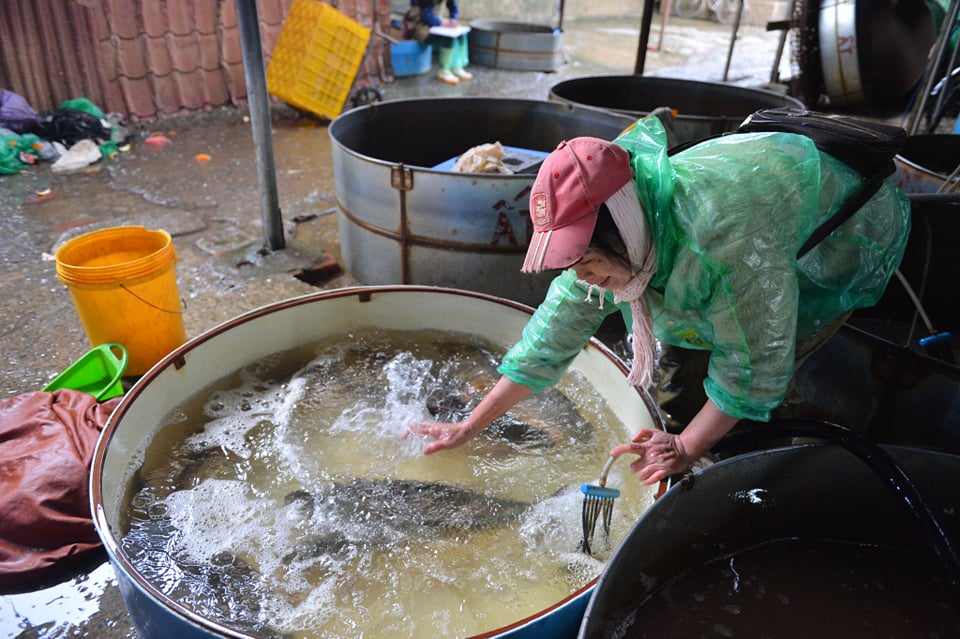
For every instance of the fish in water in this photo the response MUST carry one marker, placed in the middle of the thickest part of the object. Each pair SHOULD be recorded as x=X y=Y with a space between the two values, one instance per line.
x=380 y=511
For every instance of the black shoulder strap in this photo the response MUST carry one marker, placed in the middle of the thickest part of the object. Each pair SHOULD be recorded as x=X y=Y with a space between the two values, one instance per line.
x=853 y=203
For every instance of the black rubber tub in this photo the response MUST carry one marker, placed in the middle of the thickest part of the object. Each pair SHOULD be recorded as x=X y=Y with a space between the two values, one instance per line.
x=817 y=502
x=702 y=108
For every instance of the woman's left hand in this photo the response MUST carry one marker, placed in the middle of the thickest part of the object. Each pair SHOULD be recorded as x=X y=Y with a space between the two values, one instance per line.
x=660 y=454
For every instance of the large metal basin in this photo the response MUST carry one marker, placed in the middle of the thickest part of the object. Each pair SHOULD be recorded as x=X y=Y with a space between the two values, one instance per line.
x=402 y=221
x=702 y=108
x=812 y=492
x=873 y=52
x=292 y=324
x=520 y=46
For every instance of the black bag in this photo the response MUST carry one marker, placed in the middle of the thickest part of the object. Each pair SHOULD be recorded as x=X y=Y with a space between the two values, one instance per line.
x=69 y=126
x=866 y=147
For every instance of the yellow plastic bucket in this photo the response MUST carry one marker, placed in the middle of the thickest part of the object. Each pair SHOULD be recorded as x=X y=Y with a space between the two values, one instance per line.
x=124 y=287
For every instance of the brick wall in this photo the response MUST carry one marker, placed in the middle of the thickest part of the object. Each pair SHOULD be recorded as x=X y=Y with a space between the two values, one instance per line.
x=149 y=59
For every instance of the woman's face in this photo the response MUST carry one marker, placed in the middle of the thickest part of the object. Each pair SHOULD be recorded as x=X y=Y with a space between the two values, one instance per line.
x=602 y=269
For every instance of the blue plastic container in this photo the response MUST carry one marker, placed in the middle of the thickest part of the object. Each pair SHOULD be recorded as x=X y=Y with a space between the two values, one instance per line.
x=410 y=57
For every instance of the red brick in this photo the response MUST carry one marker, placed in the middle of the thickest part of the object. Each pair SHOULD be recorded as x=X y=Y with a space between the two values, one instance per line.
x=154 y=18
x=130 y=58
x=271 y=12
x=208 y=47
x=320 y=271
x=190 y=89
x=113 y=100
x=230 y=48
x=138 y=94
x=179 y=16
x=215 y=87
x=236 y=81
x=228 y=15
x=346 y=7
x=108 y=58
x=122 y=16
x=159 y=61
x=270 y=35
x=205 y=15
x=99 y=23
x=183 y=51
x=165 y=94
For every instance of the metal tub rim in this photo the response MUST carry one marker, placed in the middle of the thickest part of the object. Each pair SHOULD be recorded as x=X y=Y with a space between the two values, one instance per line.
x=773 y=96
x=341 y=121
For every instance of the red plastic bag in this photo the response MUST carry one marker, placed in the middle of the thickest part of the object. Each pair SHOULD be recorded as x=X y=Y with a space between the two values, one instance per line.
x=47 y=442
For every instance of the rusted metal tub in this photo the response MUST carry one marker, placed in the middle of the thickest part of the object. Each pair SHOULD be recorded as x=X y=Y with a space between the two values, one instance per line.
x=405 y=219
x=519 y=46
x=701 y=108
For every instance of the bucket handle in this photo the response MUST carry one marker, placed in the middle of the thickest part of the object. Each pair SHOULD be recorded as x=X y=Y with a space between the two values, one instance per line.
x=121 y=361
x=154 y=306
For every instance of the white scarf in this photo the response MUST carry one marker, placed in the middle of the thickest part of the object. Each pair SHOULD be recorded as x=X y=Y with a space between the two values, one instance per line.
x=628 y=216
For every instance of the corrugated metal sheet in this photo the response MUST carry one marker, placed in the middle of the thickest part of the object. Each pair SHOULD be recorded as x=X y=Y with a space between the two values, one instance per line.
x=50 y=52
x=148 y=59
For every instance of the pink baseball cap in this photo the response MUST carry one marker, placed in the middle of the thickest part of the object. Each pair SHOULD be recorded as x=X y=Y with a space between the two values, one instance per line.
x=574 y=180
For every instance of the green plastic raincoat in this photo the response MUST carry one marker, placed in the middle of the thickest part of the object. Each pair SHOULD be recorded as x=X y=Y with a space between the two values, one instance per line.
x=727 y=218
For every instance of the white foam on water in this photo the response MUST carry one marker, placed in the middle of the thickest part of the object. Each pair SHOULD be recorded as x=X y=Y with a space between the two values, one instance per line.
x=234 y=412
x=407 y=381
x=217 y=515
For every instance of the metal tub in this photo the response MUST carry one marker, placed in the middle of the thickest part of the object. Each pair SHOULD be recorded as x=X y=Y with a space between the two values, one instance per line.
x=290 y=324
x=403 y=221
x=520 y=46
x=812 y=492
x=702 y=108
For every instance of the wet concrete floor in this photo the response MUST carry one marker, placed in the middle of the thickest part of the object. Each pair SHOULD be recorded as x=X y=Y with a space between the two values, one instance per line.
x=212 y=210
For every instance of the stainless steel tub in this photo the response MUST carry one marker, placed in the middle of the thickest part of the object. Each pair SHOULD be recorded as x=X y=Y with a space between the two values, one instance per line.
x=406 y=219
x=520 y=46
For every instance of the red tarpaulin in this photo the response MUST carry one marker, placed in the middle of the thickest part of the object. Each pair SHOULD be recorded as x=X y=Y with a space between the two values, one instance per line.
x=46 y=447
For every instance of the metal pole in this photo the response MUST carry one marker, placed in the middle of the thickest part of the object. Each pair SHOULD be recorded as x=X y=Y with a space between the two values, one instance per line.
x=781 y=42
x=733 y=39
x=249 y=22
x=936 y=60
x=934 y=198
x=645 y=22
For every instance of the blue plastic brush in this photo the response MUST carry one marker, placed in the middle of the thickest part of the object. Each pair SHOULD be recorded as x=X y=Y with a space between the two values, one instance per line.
x=597 y=502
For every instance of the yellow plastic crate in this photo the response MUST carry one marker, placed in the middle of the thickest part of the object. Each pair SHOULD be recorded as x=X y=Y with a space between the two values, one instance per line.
x=316 y=58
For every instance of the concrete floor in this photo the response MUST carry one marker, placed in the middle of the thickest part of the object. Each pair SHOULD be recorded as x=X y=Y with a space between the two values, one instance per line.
x=212 y=210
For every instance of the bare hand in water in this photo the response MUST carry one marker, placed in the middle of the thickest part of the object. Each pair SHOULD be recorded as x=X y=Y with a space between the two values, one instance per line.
x=446 y=436
x=660 y=454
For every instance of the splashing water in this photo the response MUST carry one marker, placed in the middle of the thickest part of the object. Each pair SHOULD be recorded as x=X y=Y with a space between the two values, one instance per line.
x=287 y=499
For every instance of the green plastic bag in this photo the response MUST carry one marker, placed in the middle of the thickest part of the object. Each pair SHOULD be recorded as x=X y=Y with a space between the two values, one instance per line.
x=16 y=151
x=85 y=105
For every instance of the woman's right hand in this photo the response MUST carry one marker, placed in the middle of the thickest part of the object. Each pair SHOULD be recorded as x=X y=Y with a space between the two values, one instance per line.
x=504 y=395
x=445 y=435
